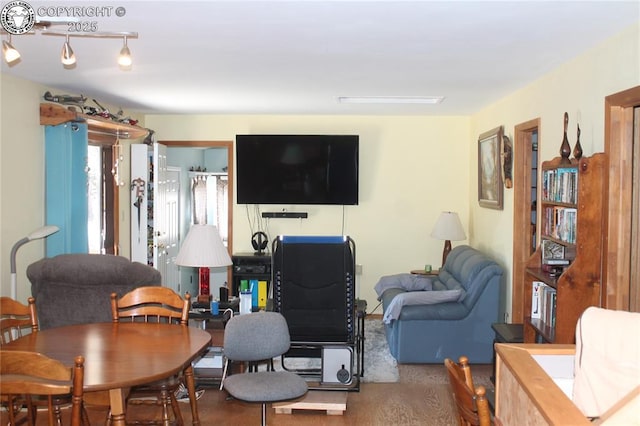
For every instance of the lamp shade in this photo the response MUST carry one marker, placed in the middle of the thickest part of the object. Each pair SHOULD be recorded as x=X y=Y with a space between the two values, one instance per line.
x=203 y=248
x=448 y=227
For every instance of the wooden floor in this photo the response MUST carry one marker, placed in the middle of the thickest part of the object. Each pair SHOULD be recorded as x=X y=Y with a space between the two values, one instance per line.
x=421 y=398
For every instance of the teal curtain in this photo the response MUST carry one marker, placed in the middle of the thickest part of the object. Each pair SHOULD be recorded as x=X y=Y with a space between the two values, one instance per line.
x=66 y=187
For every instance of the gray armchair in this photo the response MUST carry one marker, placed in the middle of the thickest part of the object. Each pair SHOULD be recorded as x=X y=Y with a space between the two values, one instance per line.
x=76 y=288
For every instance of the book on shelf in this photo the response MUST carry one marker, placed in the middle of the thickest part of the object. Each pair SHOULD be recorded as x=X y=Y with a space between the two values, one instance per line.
x=560 y=185
x=549 y=306
x=543 y=303
x=536 y=299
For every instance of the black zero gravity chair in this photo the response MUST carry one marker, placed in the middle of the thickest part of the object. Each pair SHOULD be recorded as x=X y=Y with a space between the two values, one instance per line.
x=314 y=289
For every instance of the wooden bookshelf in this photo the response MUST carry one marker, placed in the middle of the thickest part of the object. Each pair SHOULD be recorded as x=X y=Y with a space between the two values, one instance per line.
x=578 y=286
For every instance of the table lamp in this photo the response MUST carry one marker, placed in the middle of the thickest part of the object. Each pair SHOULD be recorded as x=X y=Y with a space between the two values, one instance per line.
x=203 y=249
x=38 y=234
x=448 y=228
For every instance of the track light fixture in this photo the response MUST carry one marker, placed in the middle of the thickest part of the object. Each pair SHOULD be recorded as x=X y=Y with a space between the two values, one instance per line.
x=67 y=56
x=124 y=60
x=9 y=52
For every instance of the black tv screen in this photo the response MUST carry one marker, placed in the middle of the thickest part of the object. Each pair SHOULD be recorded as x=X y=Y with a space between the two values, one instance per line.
x=297 y=169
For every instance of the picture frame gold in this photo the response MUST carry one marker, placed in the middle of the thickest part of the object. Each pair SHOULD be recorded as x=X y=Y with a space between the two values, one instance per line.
x=490 y=187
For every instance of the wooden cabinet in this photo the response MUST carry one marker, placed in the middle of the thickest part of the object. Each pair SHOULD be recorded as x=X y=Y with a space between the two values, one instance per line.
x=572 y=227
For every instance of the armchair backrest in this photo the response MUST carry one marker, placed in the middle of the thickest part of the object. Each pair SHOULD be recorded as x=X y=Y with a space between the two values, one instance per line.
x=472 y=270
x=75 y=288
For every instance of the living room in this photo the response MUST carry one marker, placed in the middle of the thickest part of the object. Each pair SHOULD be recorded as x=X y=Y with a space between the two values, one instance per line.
x=403 y=162
x=412 y=167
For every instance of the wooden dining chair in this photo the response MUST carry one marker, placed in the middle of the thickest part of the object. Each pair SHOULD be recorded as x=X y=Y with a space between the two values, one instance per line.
x=34 y=374
x=162 y=305
x=471 y=402
x=17 y=319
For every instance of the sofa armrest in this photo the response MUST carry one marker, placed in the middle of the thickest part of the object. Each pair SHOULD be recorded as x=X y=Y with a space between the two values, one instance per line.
x=437 y=311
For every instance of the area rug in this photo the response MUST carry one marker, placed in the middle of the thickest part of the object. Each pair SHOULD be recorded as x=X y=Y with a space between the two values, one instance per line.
x=379 y=365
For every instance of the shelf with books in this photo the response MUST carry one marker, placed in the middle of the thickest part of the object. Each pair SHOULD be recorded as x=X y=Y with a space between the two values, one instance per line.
x=543 y=309
x=567 y=261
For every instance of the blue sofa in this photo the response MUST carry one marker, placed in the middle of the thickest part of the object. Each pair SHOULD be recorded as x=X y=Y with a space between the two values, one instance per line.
x=429 y=332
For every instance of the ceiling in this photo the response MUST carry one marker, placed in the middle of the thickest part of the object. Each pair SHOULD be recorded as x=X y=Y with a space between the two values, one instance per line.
x=298 y=57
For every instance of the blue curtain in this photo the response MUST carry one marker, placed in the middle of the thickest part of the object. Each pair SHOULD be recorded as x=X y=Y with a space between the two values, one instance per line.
x=66 y=187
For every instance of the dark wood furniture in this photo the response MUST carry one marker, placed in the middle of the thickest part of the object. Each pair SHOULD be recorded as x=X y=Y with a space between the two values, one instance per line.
x=159 y=305
x=33 y=374
x=121 y=355
x=505 y=333
x=579 y=285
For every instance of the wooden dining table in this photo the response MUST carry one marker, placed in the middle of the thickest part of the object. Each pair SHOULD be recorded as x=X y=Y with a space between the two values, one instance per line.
x=121 y=355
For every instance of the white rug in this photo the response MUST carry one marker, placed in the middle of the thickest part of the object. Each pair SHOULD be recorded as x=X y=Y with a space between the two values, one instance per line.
x=379 y=365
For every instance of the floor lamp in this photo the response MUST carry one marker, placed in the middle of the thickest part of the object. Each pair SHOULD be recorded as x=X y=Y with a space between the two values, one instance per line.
x=203 y=248
x=448 y=228
x=38 y=234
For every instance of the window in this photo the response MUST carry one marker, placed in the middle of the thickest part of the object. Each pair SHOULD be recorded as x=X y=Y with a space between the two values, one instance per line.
x=102 y=191
x=210 y=199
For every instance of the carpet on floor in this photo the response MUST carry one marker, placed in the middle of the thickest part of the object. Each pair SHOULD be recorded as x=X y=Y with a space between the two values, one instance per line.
x=379 y=365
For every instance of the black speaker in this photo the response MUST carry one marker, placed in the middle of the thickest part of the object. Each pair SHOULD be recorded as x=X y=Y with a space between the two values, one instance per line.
x=259 y=241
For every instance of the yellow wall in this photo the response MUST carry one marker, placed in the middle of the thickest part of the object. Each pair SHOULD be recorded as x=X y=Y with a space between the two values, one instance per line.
x=577 y=87
x=404 y=162
x=21 y=177
x=411 y=167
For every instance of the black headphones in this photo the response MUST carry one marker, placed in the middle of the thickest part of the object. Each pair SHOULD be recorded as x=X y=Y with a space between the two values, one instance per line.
x=259 y=241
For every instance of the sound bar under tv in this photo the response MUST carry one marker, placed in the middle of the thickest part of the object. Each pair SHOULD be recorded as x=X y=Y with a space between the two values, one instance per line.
x=285 y=215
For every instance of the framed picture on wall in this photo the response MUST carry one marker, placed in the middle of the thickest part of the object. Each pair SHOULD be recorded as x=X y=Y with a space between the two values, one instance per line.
x=489 y=164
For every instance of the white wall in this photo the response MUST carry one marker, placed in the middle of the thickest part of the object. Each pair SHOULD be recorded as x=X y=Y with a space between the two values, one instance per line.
x=411 y=168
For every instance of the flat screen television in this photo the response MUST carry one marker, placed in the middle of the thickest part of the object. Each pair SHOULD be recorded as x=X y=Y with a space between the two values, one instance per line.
x=297 y=169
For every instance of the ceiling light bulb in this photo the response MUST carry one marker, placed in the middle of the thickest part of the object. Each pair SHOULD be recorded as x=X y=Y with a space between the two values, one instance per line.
x=67 y=57
x=124 y=60
x=9 y=52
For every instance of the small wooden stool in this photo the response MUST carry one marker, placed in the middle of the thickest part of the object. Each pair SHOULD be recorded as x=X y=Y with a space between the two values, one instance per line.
x=334 y=402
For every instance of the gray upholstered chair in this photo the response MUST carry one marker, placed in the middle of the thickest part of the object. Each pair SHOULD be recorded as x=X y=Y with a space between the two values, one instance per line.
x=256 y=337
x=76 y=288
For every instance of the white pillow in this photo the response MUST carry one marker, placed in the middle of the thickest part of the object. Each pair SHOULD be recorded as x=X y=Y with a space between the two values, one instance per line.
x=607 y=363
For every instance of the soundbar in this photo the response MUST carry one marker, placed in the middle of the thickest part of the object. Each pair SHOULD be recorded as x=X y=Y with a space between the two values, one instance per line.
x=285 y=215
